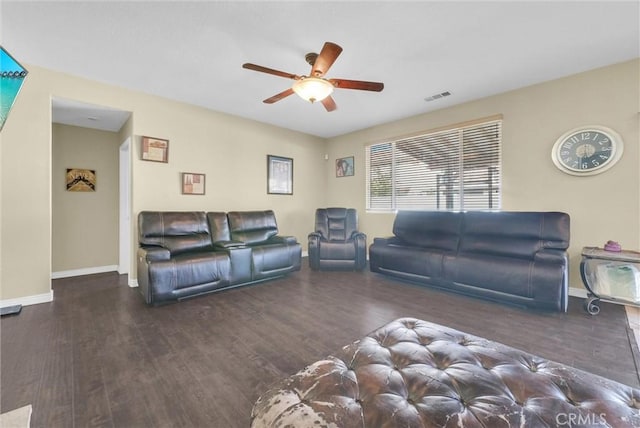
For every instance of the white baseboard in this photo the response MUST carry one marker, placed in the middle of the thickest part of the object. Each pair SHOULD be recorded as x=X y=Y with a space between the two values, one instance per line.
x=83 y=271
x=28 y=300
x=133 y=283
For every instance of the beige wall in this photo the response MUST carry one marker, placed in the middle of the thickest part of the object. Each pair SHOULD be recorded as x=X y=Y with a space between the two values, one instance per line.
x=84 y=224
x=231 y=152
x=602 y=207
x=25 y=233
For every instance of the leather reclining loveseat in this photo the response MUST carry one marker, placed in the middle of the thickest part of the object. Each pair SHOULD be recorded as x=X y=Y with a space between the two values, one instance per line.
x=515 y=257
x=185 y=254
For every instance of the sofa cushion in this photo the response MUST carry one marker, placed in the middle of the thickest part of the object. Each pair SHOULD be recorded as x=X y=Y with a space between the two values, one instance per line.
x=504 y=274
x=409 y=260
x=274 y=259
x=219 y=226
x=331 y=250
x=187 y=270
x=177 y=231
x=513 y=234
x=336 y=224
x=252 y=227
x=430 y=229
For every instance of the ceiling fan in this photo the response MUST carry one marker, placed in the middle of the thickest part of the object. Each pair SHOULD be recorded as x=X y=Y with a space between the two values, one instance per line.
x=316 y=87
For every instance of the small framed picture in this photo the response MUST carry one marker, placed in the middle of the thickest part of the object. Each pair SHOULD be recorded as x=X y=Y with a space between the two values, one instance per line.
x=192 y=184
x=81 y=180
x=279 y=175
x=155 y=149
x=344 y=167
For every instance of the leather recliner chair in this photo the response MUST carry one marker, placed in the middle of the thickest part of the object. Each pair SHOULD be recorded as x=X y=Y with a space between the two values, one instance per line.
x=336 y=243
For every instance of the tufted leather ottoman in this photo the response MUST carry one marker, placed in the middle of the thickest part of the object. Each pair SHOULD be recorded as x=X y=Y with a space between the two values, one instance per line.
x=413 y=373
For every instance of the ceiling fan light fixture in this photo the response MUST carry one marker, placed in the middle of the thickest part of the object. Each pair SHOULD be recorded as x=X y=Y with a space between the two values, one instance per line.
x=312 y=89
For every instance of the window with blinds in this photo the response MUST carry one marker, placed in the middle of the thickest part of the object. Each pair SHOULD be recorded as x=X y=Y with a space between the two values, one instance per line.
x=456 y=169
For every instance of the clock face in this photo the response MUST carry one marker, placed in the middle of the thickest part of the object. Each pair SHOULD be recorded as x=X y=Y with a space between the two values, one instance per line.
x=587 y=151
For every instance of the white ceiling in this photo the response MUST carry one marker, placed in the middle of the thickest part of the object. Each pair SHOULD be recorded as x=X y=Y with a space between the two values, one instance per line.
x=193 y=51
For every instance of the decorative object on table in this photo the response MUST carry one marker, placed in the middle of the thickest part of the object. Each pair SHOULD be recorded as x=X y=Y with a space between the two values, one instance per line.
x=155 y=149
x=193 y=184
x=612 y=246
x=316 y=87
x=279 y=175
x=344 y=167
x=81 y=180
x=12 y=76
x=587 y=150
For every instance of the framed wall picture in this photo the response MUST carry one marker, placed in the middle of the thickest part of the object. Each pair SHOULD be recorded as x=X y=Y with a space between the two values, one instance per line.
x=279 y=175
x=81 y=180
x=344 y=167
x=155 y=149
x=192 y=183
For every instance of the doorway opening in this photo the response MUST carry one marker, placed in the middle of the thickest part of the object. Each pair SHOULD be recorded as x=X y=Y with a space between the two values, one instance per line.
x=96 y=139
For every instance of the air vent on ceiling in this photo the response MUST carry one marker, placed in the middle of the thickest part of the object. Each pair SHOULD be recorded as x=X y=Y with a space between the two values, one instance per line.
x=438 y=96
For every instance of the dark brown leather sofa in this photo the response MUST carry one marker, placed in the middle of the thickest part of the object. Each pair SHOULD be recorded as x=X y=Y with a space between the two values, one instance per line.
x=185 y=254
x=413 y=373
x=514 y=257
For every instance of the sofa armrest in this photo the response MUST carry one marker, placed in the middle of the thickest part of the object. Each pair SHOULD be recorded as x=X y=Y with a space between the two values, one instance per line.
x=313 y=250
x=228 y=244
x=148 y=254
x=153 y=253
x=551 y=256
x=314 y=240
x=360 y=239
x=290 y=240
x=358 y=235
x=387 y=240
x=315 y=236
x=555 y=264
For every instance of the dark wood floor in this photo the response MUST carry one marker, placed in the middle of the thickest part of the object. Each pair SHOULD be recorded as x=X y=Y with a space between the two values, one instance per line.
x=97 y=356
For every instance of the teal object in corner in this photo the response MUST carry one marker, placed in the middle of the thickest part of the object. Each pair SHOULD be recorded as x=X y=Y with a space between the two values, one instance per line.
x=12 y=76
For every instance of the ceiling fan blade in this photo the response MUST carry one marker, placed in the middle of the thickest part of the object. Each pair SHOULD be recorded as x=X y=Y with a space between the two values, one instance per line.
x=325 y=60
x=357 y=84
x=329 y=103
x=278 y=97
x=262 y=69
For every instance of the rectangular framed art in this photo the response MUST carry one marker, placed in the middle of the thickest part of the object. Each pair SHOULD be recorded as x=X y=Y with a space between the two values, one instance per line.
x=344 y=167
x=192 y=183
x=81 y=180
x=155 y=149
x=279 y=175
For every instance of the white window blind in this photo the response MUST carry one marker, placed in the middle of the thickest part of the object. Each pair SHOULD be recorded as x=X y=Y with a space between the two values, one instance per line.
x=455 y=169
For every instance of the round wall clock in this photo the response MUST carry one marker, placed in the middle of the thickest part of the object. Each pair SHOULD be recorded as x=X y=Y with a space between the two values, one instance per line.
x=587 y=150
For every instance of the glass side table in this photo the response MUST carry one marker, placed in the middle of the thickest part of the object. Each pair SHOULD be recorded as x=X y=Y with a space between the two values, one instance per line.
x=610 y=276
